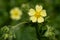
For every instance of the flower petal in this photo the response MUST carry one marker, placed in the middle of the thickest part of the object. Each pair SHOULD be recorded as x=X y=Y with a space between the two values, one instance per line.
x=31 y=12
x=33 y=18
x=38 y=8
x=40 y=19
x=43 y=13
x=14 y=9
x=15 y=18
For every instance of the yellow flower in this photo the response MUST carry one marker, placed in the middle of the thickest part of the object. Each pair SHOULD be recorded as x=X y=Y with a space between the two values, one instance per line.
x=15 y=13
x=38 y=14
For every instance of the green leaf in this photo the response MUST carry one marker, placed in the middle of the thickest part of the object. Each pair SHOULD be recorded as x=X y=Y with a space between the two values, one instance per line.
x=26 y=33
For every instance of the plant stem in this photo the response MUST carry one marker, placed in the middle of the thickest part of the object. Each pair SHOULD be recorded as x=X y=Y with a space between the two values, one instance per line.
x=37 y=31
x=13 y=27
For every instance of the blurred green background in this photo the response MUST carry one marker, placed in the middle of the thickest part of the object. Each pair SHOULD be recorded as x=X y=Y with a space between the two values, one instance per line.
x=27 y=32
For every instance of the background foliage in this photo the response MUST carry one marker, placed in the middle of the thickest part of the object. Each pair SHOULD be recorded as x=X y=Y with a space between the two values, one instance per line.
x=27 y=32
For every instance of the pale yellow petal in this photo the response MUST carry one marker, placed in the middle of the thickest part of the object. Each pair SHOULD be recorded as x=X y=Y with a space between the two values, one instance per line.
x=43 y=13
x=15 y=10
x=31 y=12
x=11 y=11
x=39 y=8
x=15 y=17
x=18 y=11
x=33 y=18
x=40 y=19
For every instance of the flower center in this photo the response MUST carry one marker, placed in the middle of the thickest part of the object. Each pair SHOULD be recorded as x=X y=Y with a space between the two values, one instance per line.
x=37 y=14
x=16 y=13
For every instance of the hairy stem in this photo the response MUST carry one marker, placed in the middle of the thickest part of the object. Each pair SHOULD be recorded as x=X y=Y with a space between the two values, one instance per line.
x=13 y=27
